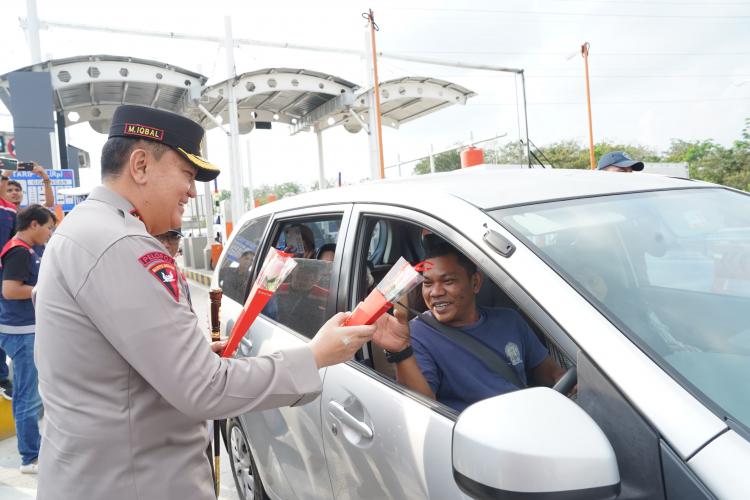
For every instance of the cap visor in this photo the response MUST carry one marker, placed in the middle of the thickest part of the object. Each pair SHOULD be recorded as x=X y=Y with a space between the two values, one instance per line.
x=635 y=165
x=206 y=171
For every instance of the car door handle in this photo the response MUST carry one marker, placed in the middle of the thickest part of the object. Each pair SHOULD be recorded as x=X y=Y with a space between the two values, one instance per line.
x=337 y=410
x=246 y=345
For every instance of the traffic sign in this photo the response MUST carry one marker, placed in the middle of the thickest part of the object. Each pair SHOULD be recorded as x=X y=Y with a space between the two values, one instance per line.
x=33 y=187
x=8 y=144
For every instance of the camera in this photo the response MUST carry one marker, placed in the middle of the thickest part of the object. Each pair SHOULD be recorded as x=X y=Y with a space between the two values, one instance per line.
x=13 y=164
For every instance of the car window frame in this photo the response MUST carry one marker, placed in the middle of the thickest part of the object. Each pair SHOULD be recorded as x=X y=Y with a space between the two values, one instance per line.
x=350 y=277
x=300 y=215
x=261 y=244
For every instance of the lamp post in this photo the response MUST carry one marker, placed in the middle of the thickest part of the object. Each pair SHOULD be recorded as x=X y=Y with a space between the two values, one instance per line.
x=585 y=54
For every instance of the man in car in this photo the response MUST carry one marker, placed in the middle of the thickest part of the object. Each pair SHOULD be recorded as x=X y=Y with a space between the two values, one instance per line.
x=431 y=364
x=125 y=373
x=618 y=161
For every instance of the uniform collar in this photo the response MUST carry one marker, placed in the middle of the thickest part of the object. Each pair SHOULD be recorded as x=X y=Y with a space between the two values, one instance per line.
x=106 y=195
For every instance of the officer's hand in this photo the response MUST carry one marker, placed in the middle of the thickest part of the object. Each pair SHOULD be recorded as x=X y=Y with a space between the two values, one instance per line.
x=218 y=346
x=392 y=331
x=335 y=344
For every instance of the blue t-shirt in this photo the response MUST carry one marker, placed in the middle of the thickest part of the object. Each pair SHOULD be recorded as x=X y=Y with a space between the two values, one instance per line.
x=456 y=376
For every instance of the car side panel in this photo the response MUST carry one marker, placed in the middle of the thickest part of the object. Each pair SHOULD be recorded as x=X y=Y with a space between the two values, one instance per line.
x=286 y=442
x=409 y=455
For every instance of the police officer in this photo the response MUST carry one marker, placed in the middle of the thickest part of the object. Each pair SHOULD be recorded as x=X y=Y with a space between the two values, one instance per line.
x=125 y=374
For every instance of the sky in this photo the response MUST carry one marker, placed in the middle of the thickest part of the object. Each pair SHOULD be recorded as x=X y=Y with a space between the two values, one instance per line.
x=660 y=69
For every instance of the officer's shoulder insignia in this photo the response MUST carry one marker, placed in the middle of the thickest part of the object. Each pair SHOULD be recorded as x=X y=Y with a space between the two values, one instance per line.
x=162 y=267
x=152 y=257
x=166 y=273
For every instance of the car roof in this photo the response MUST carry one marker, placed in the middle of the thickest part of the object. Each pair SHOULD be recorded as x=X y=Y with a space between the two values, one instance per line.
x=488 y=187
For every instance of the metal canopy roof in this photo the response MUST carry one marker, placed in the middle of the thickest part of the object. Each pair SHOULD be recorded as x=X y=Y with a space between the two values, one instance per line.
x=282 y=95
x=93 y=86
x=401 y=101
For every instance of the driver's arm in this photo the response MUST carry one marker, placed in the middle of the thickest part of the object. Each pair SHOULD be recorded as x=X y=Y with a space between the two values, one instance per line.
x=547 y=372
x=393 y=334
x=409 y=374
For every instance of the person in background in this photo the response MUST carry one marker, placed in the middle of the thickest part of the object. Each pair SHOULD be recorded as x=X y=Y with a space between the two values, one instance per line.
x=20 y=270
x=619 y=161
x=11 y=193
x=14 y=190
x=7 y=230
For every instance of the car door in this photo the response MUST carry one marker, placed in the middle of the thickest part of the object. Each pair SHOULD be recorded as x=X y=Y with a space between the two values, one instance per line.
x=381 y=439
x=286 y=442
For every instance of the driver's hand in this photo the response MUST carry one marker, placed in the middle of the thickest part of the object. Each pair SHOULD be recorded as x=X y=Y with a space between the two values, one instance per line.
x=392 y=332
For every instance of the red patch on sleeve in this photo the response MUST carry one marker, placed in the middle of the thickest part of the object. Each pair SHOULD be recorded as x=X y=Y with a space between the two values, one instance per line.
x=149 y=258
x=166 y=273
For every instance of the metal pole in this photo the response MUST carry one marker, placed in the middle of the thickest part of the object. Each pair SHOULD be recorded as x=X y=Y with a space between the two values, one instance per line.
x=280 y=45
x=249 y=171
x=234 y=129
x=62 y=143
x=432 y=159
x=32 y=31
x=321 y=166
x=208 y=202
x=585 y=53
x=398 y=160
x=526 y=118
x=376 y=92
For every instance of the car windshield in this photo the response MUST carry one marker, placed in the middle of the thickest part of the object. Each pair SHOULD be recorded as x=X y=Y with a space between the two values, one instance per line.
x=671 y=269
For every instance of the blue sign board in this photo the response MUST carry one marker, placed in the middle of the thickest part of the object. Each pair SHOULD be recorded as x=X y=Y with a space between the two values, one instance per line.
x=33 y=188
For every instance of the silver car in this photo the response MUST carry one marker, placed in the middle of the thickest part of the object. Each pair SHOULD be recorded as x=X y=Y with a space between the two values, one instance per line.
x=637 y=284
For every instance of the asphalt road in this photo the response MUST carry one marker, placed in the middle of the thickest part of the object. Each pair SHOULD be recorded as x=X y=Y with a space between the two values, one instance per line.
x=17 y=486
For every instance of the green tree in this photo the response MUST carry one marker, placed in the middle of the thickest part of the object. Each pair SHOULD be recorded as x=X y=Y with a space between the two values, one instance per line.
x=444 y=162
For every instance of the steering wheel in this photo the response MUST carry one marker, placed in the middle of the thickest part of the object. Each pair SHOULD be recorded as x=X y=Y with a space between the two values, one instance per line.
x=566 y=383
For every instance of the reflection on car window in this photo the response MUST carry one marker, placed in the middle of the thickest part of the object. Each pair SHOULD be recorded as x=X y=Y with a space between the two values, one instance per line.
x=301 y=302
x=236 y=269
x=671 y=268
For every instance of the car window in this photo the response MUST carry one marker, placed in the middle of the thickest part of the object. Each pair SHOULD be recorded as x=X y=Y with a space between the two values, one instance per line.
x=411 y=241
x=236 y=268
x=304 y=300
x=671 y=269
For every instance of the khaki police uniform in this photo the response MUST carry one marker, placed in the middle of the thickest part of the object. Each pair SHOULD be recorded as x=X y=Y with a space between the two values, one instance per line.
x=125 y=373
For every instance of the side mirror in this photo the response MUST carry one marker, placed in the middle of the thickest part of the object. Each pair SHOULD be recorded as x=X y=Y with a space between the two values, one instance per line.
x=533 y=443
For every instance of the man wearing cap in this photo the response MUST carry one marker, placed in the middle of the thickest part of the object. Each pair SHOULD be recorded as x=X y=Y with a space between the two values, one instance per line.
x=125 y=374
x=619 y=161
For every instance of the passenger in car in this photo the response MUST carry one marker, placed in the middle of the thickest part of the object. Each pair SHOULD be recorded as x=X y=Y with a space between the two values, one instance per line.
x=300 y=241
x=443 y=370
x=326 y=252
x=301 y=300
x=234 y=281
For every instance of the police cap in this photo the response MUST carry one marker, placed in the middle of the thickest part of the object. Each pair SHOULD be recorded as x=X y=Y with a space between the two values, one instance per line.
x=180 y=133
